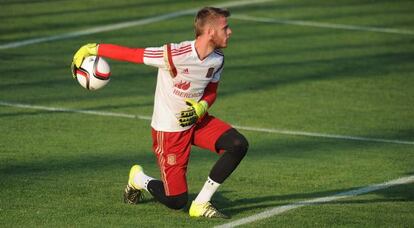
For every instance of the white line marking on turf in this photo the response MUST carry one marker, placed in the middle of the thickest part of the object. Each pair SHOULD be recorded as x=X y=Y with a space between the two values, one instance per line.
x=322 y=135
x=121 y=25
x=266 y=130
x=281 y=209
x=89 y=112
x=322 y=25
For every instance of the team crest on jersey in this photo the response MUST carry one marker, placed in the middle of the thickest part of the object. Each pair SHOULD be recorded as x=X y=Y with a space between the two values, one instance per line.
x=210 y=72
x=171 y=159
x=183 y=85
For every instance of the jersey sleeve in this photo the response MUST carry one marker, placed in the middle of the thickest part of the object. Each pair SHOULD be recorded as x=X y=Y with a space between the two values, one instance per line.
x=161 y=57
x=154 y=56
x=121 y=53
x=210 y=93
x=217 y=73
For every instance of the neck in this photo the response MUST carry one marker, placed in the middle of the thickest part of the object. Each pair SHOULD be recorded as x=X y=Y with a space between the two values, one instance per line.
x=203 y=47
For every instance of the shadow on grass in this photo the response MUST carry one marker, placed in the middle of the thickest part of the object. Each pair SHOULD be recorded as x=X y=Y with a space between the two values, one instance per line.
x=11 y=174
x=120 y=6
x=78 y=164
x=400 y=193
x=306 y=151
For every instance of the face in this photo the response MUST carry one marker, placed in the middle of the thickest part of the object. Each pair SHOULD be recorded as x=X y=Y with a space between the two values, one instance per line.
x=221 y=33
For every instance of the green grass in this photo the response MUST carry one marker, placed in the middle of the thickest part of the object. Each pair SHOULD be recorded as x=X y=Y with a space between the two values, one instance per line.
x=68 y=169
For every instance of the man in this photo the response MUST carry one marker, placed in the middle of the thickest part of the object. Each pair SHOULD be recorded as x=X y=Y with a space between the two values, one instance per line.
x=187 y=81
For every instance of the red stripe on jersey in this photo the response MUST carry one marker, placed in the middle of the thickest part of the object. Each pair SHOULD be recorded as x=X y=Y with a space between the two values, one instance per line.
x=188 y=45
x=182 y=53
x=152 y=51
x=153 y=57
x=182 y=49
x=178 y=52
x=170 y=61
x=152 y=54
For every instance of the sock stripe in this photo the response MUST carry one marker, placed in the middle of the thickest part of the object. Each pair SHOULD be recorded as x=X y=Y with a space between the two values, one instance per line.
x=209 y=188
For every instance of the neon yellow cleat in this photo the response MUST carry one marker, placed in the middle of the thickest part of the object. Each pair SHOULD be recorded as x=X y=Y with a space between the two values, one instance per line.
x=132 y=173
x=205 y=210
x=132 y=193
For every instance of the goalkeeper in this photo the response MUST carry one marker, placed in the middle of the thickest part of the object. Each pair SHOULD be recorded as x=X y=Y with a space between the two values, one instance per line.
x=187 y=81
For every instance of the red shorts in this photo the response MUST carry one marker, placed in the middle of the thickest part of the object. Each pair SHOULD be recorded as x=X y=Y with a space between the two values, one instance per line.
x=173 y=150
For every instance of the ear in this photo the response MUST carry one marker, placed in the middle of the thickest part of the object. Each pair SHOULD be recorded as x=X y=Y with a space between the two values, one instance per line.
x=211 y=31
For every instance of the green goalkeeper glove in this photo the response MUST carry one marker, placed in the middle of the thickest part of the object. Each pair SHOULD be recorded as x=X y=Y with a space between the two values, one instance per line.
x=83 y=52
x=196 y=110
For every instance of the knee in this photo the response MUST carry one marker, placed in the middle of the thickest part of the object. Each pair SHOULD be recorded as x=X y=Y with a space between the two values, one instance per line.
x=240 y=145
x=234 y=143
x=178 y=202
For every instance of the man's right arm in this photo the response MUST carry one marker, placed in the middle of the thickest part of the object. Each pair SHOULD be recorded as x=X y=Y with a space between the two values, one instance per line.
x=152 y=56
x=121 y=53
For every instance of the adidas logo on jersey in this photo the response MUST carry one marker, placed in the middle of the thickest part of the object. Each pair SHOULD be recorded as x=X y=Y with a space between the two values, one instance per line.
x=185 y=71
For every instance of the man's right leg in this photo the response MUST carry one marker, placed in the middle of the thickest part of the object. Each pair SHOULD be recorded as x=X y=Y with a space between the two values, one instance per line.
x=139 y=181
x=172 y=151
x=156 y=188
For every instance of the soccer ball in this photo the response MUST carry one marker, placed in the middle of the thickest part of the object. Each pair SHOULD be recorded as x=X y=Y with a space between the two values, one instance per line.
x=94 y=73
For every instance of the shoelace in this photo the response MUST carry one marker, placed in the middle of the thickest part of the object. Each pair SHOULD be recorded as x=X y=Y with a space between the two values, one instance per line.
x=212 y=211
x=135 y=195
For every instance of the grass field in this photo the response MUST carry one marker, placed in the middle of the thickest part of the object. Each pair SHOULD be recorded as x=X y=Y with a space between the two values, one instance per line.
x=69 y=169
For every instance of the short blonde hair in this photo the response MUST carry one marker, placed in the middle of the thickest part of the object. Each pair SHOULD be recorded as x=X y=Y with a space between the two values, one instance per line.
x=206 y=15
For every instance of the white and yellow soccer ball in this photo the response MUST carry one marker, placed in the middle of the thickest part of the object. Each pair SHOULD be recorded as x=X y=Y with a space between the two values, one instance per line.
x=94 y=73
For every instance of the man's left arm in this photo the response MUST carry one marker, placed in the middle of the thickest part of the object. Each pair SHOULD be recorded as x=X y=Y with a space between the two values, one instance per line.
x=210 y=93
x=196 y=109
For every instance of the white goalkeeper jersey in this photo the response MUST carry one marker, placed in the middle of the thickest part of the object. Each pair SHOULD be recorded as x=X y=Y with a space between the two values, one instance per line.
x=181 y=75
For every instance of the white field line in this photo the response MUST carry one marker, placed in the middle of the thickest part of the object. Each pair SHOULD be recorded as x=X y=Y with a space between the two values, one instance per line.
x=89 y=112
x=322 y=25
x=121 y=25
x=343 y=195
x=322 y=135
x=264 y=130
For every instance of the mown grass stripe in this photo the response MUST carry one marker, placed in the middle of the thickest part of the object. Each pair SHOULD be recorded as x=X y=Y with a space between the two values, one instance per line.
x=121 y=25
x=264 y=130
x=322 y=25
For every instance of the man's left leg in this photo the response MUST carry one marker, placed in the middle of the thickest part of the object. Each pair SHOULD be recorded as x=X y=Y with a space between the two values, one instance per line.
x=217 y=136
x=235 y=147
